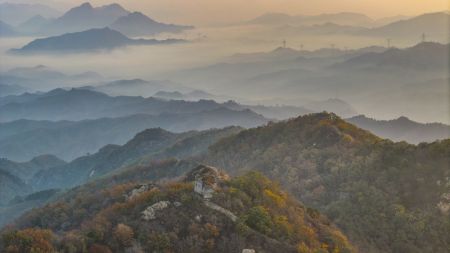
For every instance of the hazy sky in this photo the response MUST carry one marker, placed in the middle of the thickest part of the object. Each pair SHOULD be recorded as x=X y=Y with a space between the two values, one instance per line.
x=222 y=11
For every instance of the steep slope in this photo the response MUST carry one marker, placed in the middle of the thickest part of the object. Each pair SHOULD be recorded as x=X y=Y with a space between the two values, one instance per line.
x=155 y=143
x=138 y=24
x=403 y=129
x=11 y=186
x=26 y=170
x=248 y=212
x=377 y=191
x=15 y=182
x=85 y=41
x=22 y=203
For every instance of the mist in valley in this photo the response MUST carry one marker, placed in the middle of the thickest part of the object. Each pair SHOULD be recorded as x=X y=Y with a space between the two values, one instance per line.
x=197 y=65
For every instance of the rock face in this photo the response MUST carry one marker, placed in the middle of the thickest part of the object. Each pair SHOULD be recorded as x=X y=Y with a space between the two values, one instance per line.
x=138 y=190
x=150 y=212
x=206 y=179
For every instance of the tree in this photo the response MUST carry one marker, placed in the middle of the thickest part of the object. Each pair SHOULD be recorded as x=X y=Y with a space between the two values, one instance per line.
x=97 y=248
x=29 y=241
x=124 y=235
x=259 y=219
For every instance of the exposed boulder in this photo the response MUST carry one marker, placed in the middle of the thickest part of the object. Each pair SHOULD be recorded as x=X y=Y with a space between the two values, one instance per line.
x=150 y=212
x=139 y=190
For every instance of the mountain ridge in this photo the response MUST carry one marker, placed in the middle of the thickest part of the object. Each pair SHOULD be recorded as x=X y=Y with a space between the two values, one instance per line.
x=180 y=206
x=89 y=40
x=403 y=129
x=350 y=175
x=138 y=24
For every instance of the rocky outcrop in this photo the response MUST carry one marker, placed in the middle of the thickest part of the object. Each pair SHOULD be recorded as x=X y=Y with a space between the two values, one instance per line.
x=139 y=190
x=150 y=212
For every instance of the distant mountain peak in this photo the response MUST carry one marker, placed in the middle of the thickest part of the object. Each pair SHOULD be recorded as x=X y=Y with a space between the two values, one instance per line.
x=138 y=14
x=113 y=6
x=86 y=5
x=149 y=135
x=403 y=118
x=89 y=40
x=138 y=24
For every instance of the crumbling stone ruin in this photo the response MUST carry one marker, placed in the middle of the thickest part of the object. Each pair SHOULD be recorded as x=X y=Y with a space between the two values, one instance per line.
x=206 y=180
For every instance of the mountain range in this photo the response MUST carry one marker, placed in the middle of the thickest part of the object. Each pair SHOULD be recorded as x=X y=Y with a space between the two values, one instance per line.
x=318 y=29
x=71 y=104
x=403 y=129
x=433 y=25
x=33 y=25
x=41 y=78
x=375 y=190
x=82 y=18
x=137 y=24
x=344 y=18
x=426 y=56
x=86 y=41
x=60 y=104
x=256 y=215
x=86 y=17
x=6 y=89
x=24 y=139
x=399 y=28
x=361 y=77
x=15 y=177
x=109 y=159
x=137 y=87
x=17 y=13
x=6 y=30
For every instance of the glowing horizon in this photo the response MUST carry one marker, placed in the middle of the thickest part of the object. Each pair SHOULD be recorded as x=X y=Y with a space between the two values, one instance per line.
x=220 y=11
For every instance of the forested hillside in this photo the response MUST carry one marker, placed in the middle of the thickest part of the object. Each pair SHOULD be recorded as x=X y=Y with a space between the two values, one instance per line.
x=386 y=196
x=247 y=212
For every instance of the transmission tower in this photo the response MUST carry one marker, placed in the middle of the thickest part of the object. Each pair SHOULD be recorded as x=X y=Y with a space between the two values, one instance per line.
x=424 y=37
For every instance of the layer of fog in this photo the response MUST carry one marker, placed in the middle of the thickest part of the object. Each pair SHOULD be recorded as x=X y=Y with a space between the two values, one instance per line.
x=214 y=45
